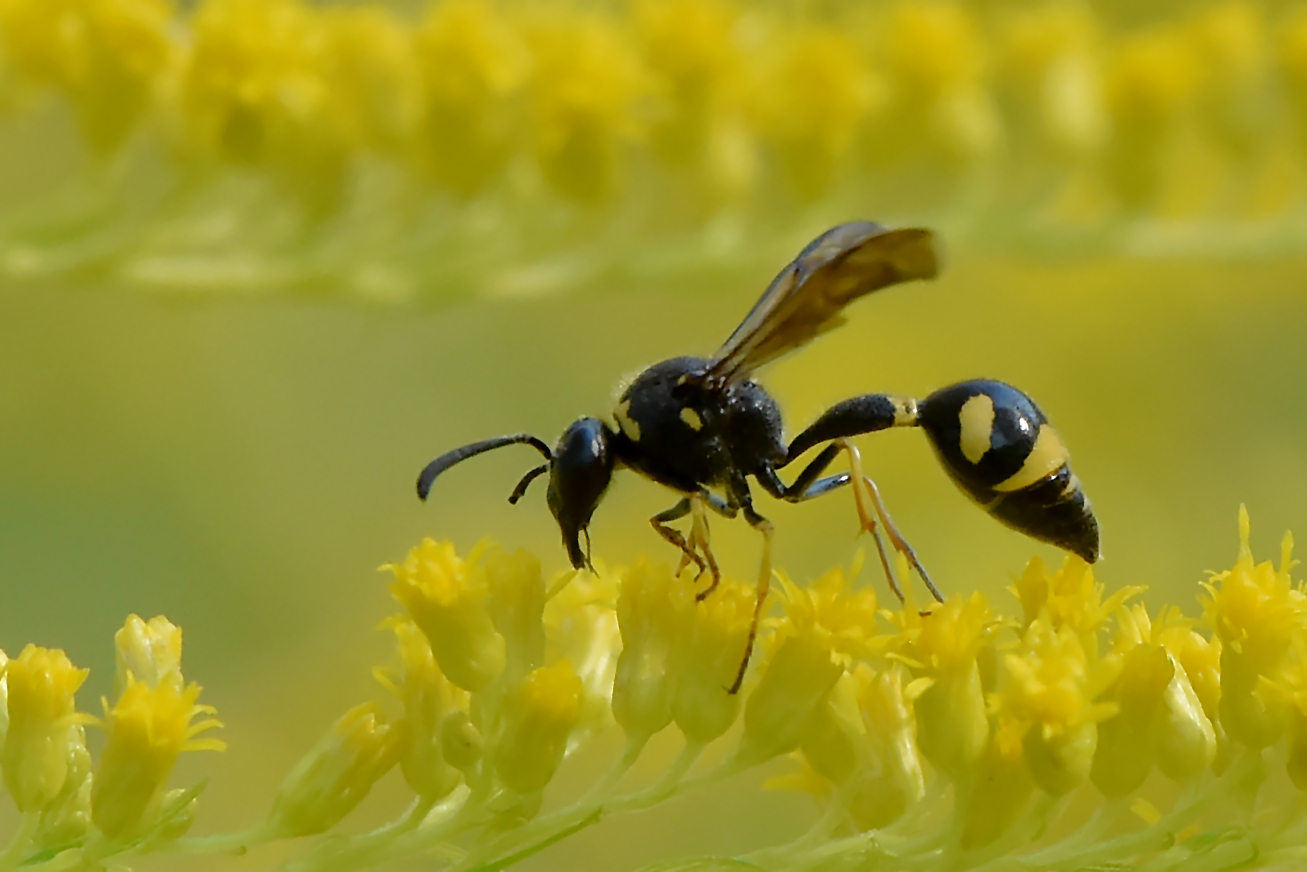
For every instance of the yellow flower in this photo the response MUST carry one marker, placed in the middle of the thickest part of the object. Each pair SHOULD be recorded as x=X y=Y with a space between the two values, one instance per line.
x=1069 y=597
x=586 y=88
x=1255 y=611
x=516 y=604
x=1001 y=788
x=1051 y=685
x=1151 y=82
x=253 y=91
x=371 y=67
x=938 y=64
x=706 y=660
x=653 y=613
x=43 y=725
x=430 y=703
x=336 y=775
x=581 y=627
x=106 y=55
x=446 y=597
x=1126 y=740
x=897 y=777
x=473 y=64
x=540 y=717
x=697 y=111
x=830 y=607
x=149 y=652
x=147 y=727
x=1051 y=63
x=943 y=645
x=811 y=102
x=794 y=686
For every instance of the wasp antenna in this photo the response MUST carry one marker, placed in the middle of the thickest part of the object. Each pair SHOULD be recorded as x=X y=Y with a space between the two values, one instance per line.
x=458 y=455
x=520 y=490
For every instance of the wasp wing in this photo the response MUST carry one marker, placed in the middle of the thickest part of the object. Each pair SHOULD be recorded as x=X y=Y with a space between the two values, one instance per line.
x=806 y=299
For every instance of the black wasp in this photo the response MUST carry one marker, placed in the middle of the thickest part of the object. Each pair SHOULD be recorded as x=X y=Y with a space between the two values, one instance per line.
x=702 y=427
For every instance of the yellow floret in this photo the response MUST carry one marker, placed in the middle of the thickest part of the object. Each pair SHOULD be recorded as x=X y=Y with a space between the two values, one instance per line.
x=43 y=722
x=147 y=728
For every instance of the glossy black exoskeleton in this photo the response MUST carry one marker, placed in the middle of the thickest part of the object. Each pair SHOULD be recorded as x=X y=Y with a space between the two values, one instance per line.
x=702 y=427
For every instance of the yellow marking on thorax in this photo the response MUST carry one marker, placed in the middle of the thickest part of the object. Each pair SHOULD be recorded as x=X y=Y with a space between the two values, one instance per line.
x=905 y=411
x=976 y=418
x=624 y=420
x=1047 y=457
x=691 y=419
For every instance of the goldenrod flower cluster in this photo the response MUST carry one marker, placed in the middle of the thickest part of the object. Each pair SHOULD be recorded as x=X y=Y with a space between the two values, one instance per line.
x=509 y=147
x=76 y=813
x=1085 y=731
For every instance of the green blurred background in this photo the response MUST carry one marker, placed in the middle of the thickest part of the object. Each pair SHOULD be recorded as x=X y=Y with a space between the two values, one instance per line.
x=243 y=463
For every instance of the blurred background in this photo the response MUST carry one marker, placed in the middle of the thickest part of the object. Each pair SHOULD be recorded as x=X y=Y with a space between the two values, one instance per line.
x=260 y=260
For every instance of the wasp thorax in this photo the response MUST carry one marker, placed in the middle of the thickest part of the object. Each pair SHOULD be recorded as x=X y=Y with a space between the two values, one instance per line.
x=579 y=473
x=1000 y=449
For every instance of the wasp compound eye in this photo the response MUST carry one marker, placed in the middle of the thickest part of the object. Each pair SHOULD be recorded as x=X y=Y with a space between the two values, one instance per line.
x=579 y=474
x=999 y=448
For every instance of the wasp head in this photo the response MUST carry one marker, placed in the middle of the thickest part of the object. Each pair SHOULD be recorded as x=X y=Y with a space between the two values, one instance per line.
x=579 y=472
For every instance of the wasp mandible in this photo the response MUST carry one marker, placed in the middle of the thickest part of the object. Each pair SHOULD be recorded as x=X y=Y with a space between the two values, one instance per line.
x=702 y=427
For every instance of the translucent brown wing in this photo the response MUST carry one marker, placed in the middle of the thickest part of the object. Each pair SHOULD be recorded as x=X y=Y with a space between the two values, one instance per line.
x=806 y=299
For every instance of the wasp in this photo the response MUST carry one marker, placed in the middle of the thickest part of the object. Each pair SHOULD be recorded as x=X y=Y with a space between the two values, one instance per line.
x=703 y=427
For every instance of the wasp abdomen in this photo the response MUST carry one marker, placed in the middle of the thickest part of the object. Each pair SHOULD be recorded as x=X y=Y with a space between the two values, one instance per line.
x=1000 y=449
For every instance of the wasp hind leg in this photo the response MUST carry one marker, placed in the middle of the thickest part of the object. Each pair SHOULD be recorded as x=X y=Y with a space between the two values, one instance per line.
x=867 y=498
x=872 y=513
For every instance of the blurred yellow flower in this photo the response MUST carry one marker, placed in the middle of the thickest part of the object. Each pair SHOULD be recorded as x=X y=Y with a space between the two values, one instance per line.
x=492 y=138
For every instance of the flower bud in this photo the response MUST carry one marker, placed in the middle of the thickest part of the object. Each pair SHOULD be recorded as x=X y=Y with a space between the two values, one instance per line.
x=68 y=816
x=1186 y=740
x=150 y=651
x=794 y=686
x=1001 y=789
x=653 y=613
x=42 y=725
x=540 y=716
x=336 y=775
x=516 y=605
x=708 y=659
x=950 y=707
x=1125 y=751
x=427 y=697
x=446 y=597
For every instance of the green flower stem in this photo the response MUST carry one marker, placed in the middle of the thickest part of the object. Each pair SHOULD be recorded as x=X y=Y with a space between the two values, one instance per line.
x=352 y=852
x=227 y=843
x=546 y=830
x=21 y=844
